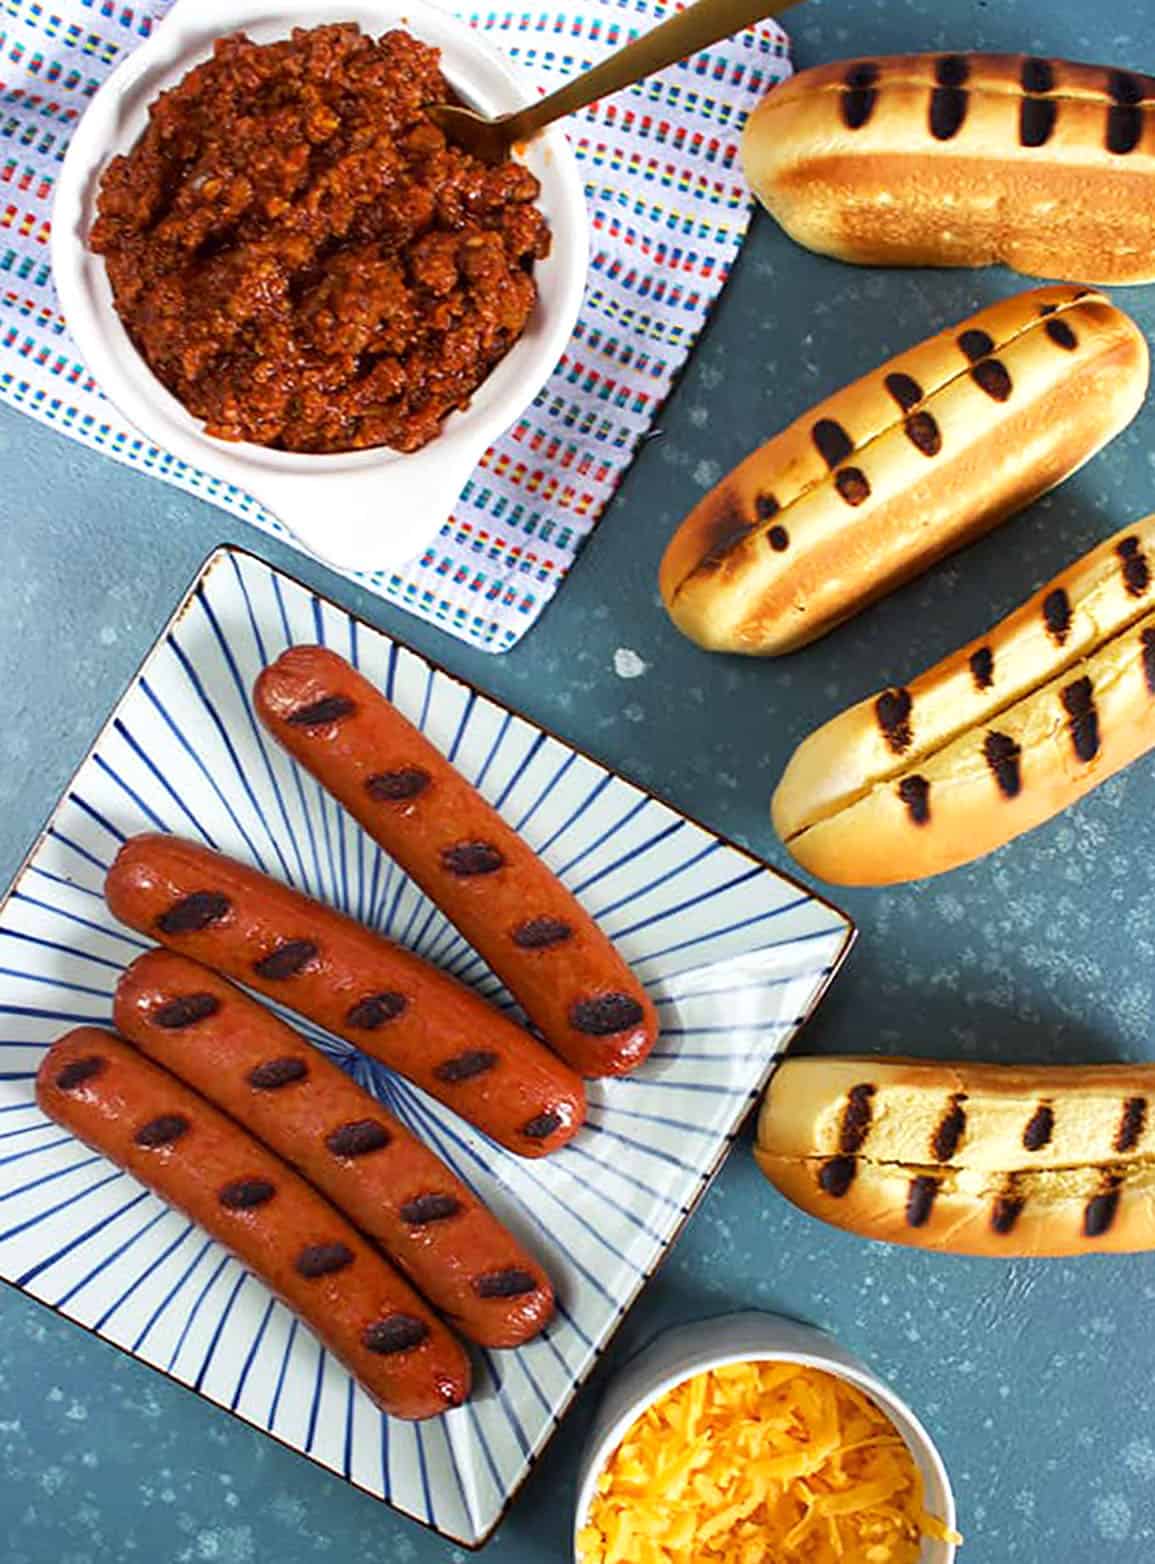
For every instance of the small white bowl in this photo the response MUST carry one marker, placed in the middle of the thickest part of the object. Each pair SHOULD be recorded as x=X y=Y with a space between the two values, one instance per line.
x=680 y=1353
x=361 y=510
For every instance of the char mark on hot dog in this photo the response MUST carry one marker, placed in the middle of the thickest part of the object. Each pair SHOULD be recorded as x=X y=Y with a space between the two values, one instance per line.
x=289 y=958
x=376 y=1010
x=359 y=1139
x=186 y=1010
x=271 y=1074
x=193 y=913
x=162 y=1130
x=323 y=712
x=395 y=786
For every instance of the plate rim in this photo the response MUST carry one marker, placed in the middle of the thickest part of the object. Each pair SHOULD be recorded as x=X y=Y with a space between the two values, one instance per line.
x=212 y=561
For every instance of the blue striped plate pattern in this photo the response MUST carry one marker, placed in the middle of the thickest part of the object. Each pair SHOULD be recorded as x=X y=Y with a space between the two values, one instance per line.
x=734 y=955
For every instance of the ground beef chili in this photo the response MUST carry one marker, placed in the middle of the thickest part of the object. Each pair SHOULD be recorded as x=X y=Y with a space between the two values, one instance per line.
x=299 y=255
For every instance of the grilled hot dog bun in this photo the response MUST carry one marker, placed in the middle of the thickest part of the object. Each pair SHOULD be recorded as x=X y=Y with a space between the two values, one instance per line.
x=964 y=160
x=990 y=742
x=903 y=467
x=982 y=1159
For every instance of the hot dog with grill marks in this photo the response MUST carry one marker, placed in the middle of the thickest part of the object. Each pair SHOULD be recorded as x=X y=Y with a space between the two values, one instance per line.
x=363 y=1311
x=511 y=908
x=992 y=741
x=984 y=1159
x=964 y=160
x=902 y=468
x=380 y=997
x=306 y=1109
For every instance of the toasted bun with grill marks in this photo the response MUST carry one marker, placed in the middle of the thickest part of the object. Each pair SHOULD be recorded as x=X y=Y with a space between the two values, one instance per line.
x=990 y=742
x=964 y=160
x=902 y=468
x=980 y=1159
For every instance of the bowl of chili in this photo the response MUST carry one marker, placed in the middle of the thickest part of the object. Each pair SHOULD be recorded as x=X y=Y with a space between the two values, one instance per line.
x=201 y=359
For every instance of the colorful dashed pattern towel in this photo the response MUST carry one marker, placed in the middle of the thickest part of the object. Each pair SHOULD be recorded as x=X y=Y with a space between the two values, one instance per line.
x=668 y=209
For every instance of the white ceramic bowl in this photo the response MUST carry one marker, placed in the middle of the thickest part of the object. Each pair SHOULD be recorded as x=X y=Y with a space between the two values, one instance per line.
x=361 y=510
x=686 y=1350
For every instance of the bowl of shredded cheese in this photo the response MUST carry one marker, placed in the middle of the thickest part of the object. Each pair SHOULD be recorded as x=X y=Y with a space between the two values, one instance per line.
x=752 y=1439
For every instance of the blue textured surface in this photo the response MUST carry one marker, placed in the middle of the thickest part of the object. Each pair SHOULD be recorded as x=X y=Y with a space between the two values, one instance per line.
x=1036 y=1377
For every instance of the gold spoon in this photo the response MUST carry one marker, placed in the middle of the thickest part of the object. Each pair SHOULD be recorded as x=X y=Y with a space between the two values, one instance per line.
x=697 y=27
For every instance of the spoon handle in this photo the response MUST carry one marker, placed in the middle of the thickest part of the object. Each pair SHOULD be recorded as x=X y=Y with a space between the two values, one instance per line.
x=697 y=27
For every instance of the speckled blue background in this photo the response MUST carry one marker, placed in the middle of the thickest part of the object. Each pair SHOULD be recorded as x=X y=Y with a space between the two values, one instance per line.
x=1035 y=1377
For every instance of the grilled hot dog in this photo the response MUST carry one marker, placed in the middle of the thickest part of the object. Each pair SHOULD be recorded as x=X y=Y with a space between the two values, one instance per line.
x=990 y=742
x=304 y=1107
x=534 y=934
x=380 y=997
x=902 y=468
x=278 y=1226
x=963 y=160
x=985 y=1159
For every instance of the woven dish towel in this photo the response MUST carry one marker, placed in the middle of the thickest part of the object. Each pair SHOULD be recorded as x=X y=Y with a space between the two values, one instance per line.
x=668 y=209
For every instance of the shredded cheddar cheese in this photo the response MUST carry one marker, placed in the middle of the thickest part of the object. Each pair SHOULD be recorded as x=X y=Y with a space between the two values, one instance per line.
x=760 y=1463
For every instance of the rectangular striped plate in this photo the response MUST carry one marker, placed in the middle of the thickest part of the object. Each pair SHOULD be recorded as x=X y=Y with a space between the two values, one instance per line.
x=734 y=955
